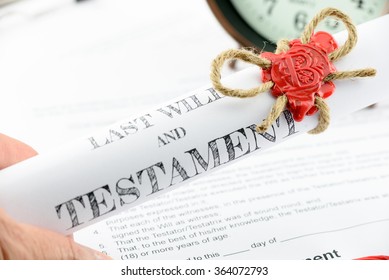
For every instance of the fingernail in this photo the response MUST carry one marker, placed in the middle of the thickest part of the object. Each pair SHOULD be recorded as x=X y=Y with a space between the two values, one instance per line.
x=86 y=253
x=101 y=256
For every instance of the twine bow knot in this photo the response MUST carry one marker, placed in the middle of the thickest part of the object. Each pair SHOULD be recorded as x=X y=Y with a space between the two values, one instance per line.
x=303 y=88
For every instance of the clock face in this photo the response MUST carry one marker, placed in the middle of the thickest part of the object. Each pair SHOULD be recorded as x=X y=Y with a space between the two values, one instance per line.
x=276 y=19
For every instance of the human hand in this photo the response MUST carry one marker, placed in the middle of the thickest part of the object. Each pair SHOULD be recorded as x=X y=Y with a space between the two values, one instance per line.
x=22 y=241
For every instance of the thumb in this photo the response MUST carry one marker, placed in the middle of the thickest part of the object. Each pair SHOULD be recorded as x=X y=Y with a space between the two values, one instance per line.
x=13 y=151
x=21 y=241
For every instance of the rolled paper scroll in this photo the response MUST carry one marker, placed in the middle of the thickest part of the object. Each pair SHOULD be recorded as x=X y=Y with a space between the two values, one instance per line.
x=149 y=154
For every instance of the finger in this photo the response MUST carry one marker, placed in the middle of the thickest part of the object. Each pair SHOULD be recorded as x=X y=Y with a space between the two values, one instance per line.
x=20 y=241
x=13 y=151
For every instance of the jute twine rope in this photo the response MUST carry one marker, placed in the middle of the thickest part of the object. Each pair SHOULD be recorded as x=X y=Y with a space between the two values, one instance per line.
x=283 y=46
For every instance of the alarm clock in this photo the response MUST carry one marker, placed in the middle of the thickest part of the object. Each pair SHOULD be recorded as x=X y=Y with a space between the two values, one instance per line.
x=261 y=23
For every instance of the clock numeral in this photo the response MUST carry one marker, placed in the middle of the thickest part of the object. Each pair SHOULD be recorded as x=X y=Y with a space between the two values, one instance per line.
x=300 y=20
x=271 y=6
x=360 y=3
x=332 y=23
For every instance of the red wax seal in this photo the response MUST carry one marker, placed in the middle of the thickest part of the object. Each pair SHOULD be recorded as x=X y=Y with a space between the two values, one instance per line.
x=372 y=258
x=299 y=73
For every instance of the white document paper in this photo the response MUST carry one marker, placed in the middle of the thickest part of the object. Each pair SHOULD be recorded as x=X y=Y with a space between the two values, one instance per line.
x=322 y=197
x=151 y=153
